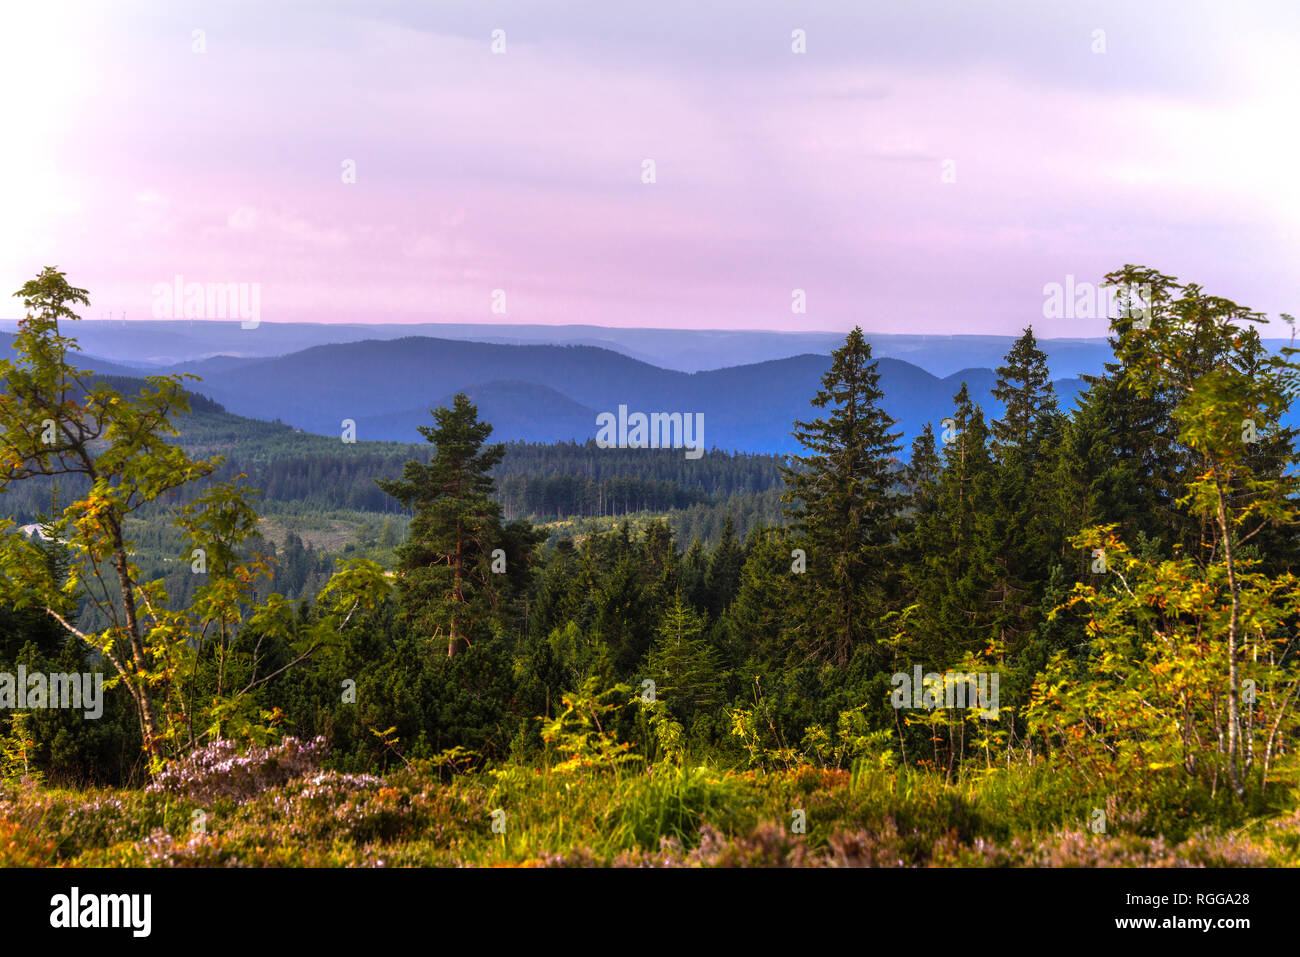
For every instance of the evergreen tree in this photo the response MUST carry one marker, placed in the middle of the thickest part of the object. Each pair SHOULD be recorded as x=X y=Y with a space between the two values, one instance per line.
x=950 y=575
x=723 y=577
x=1024 y=387
x=695 y=569
x=1020 y=528
x=684 y=667
x=752 y=629
x=623 y=614
x=446 y=581
x=923 y=468
x=841 y=504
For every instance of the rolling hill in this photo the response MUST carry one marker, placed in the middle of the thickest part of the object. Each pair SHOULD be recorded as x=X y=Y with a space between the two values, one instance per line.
x=547 y=392
x=177 y=344
x=550 y=393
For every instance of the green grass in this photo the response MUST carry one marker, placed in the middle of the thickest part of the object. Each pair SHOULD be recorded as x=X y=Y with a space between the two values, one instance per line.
x=693 y=815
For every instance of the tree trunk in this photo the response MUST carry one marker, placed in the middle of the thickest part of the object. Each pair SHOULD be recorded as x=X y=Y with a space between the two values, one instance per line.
x=148 y=721
x=1234 y=717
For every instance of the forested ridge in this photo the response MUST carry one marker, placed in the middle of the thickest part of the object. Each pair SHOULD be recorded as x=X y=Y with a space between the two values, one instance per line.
x=558 y=480
x=1117 y=579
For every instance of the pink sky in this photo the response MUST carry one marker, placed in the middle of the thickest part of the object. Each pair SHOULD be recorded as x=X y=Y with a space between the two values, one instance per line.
x=130 y=158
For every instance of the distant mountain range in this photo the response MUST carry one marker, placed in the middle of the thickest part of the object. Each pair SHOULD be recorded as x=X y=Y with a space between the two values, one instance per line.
x=552 y=392
x=176 y=343
x=547 y=383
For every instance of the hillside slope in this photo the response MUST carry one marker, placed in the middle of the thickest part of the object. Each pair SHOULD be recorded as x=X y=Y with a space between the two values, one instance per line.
x=550 y=393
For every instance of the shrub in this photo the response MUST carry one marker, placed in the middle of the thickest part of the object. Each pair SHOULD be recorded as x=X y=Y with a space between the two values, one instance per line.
x=219 y=770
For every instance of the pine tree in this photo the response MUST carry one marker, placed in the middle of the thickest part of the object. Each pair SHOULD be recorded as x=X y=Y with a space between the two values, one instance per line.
x=723 y=577
x=1020 y=529
x=661 y=565
x=950 y=574
x=1024 y=387
x=842 y=506
x=921 y=480
x=685 y=668
x=445 y=578
x=754 y=623
x=623 y=614
x=695 y=566
x=923 y=466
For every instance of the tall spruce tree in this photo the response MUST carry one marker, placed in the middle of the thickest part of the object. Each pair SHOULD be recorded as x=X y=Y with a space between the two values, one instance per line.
x=841 y=504
x=921 y=482
x=949 y=577
x=446 y=581
x=1021 y=529
x=723 y=577
x=922 y=468
x=695 y=569
x=1024 y=387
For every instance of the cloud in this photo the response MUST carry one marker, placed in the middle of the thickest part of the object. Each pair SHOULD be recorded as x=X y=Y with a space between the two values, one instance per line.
x=521 y=171
x=272 y=225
